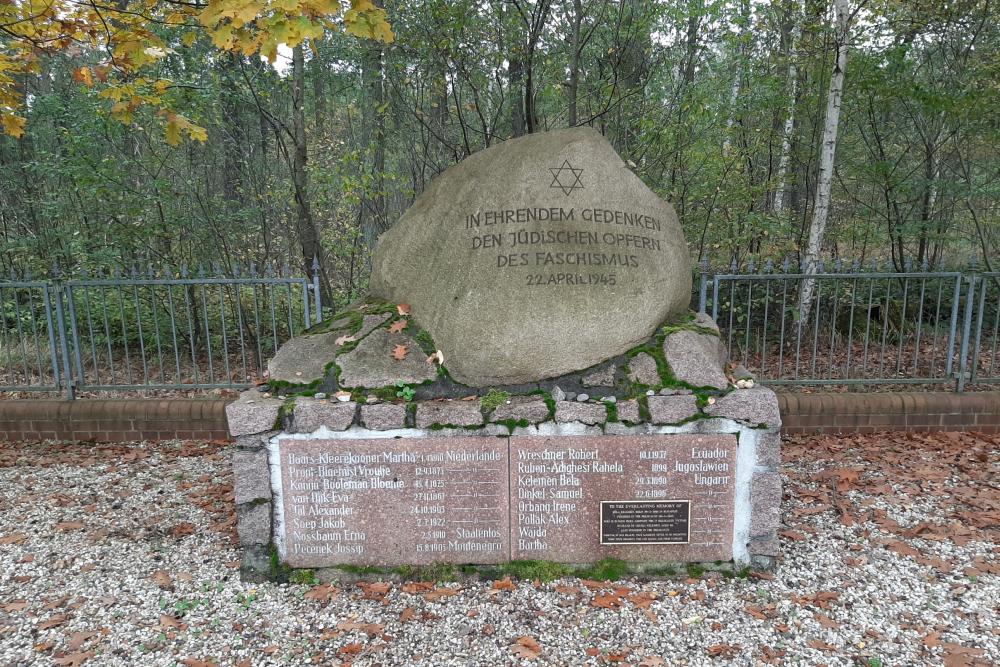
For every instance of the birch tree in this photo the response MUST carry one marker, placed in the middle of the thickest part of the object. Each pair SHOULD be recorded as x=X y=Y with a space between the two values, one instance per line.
x=828 y=150
x=786 y=134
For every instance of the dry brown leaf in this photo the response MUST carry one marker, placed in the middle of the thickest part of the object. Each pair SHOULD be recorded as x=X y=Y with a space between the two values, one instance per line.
x=403 y=308
x=54 y=621
x=374 y=590
x=73 y=659
x=270 y=649
x=652 y=661
x=78 y=639
x=440 y=593
x=526 y=647
x=504 y=584
x=163 y=580
x=417 y=587
x=651 y=615
x=399 y=352
x=933 y=639
x=195 y=662
x=370 y=629
x=66 y=526
x=322 y=593
x=826 y=621
x=611 y=601
x=407 y=615
x=398 y=326
x=792 y=535
x=14 y=538
x=724 y=650
x=15 y=605
x=822 y=646
x=351 y=649
x=183 y=529
x=168 y=622
x=437 y=357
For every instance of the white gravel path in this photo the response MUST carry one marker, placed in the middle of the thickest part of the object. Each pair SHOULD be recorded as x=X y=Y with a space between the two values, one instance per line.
x=123 y=557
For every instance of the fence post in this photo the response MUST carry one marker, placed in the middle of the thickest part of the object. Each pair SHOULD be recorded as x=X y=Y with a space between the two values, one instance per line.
x=316 y=291
x=966 y=332
x=63 y=347
x=703 y=287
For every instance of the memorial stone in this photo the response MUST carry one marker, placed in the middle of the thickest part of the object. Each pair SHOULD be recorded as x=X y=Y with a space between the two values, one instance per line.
x=534 y=258
x=531 y=389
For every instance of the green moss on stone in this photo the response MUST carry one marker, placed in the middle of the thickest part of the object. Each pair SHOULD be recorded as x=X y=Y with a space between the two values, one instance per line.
x=303 y=577
x=493 y=399
x=543 y=570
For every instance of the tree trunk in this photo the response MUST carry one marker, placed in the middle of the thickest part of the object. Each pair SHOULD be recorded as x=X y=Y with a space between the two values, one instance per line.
x=573 y=84
x=305 y=227
x=828 y=149
x=786 y=134
x=515 y=75
x=373 y=214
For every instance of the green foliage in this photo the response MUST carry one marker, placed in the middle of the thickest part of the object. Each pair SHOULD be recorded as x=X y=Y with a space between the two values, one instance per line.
x=404 y=391
x=606 y=569
x=493 y=399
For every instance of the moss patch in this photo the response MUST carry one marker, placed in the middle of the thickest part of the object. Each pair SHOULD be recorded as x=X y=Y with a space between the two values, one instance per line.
x=606 y=569
x=542 y=570
x=493 y=400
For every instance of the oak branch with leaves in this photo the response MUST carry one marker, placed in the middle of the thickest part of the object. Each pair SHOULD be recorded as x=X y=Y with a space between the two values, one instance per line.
x=119 y=41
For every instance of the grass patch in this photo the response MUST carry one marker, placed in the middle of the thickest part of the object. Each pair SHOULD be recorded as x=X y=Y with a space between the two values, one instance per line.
x=307 y=577
x=493 y=399
x=543 y=570
x=606 y=569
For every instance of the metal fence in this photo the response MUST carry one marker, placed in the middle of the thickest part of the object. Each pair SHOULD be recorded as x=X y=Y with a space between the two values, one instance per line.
x=165 y=330
x=154 y=330
x=858 y=326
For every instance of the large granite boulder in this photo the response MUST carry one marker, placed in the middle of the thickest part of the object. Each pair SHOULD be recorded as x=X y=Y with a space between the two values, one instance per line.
x=537 y=257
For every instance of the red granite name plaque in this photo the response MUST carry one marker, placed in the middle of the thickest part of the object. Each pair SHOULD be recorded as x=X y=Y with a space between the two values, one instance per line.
x=394 y=501
x=559 y=483
x=481 y=500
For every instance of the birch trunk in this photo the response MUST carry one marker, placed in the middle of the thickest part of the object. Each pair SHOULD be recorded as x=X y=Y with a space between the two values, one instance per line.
x=828 y=149
x=786 y=135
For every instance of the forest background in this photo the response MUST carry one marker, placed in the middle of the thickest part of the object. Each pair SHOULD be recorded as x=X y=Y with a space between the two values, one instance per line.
x=803 y=129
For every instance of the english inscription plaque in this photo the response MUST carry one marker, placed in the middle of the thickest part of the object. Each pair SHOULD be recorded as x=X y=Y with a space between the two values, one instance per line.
x=645 y=521
x=558 y=485
x=393 y=502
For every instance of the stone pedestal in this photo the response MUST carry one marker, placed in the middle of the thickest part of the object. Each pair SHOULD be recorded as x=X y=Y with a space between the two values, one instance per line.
x=322 y=484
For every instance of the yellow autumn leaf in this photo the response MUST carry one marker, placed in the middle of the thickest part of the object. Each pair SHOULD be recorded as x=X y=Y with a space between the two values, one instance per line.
x=12 y=125
x=84 y=75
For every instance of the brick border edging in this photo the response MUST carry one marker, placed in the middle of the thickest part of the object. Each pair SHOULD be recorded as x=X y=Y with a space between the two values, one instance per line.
x=114 y=420
x=909 y=411
x=117 y=420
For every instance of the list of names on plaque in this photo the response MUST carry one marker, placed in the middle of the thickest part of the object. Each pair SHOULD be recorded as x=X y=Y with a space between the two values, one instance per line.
x=393 y=502
x=558 y=484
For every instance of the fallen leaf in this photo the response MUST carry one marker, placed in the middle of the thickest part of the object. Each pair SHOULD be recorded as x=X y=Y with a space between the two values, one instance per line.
x=370 y=629
x=437 y=357
x=439 y=593
x=822 y=646
x=183 y=529
x=14 y=538
x=66 y=526
x=351 y=649
x=933 y=639
x=322 y=593
x=15 y=605
x=343 y=340
x=374 y=590
x=606 y=601
x=417 y=587
x=168 y=622
x=195 y=662
x=73 y=659
x=526 y=647
x=724 y=650
x=407 y=615
x=403 y=308
x=652 y=661
x=399 y=352
x=54 y=621
x=504 y=584
x=398 y=326
x=792 y=535
x=78 y=639
x=270 y=649
x=162 y=579
x=826 y=621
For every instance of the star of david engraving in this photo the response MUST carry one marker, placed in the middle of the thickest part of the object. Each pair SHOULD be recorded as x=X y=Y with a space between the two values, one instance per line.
x=566 y=178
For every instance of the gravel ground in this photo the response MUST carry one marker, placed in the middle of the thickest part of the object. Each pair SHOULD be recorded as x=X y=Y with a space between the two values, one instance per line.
x=123 y=555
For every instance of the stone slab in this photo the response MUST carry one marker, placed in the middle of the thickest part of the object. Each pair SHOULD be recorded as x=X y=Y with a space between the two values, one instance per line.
x=253 y=523
x=628 y=411
x=252 y=413
x=393 y=502
x=372 y=365
x=310 y=413
x=696 y=358
x=603 y=377
x=585 y=413
x=251 y=478
x=751 y=406
x=303 y=359
x=456 y=413
x=557 y=485
x=643 y=370
x=383 y=416
x=533 y=409
x=671 y=409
